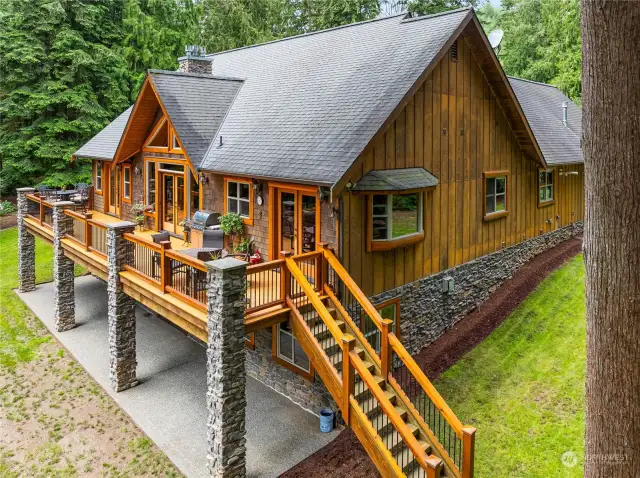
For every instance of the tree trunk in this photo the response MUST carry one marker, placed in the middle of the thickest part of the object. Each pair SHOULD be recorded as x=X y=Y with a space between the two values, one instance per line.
x=611 y=144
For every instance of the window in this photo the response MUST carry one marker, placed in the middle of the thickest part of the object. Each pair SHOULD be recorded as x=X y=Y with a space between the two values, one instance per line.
x=98 y=175
x=545 y=187
x=289 y=352
x=495 y=192
x=126 y=182
x=239 y=199
x=175 y=145
x=160 y=138
x=396 y=219
x=150 y=181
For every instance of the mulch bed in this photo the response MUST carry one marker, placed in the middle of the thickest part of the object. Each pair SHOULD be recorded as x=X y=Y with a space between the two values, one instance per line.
x=344 y=456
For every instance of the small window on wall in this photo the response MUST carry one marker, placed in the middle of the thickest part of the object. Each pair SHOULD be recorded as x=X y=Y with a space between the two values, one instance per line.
x=396 y=219
x=150 y=182
x=288 y=350
x=545 y=187
x=126 y=182
x=495 y=184
x=98 y=176
x=239 y=199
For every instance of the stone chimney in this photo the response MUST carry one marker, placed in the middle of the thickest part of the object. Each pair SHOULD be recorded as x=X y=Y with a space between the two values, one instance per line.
x=195 y=60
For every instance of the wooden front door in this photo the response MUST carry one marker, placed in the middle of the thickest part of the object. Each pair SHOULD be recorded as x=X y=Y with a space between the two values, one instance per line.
x=298 y=221
x=172 y=204
x=112 y=205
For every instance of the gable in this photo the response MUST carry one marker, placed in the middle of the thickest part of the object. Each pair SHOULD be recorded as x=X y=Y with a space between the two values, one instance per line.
x=192 y=105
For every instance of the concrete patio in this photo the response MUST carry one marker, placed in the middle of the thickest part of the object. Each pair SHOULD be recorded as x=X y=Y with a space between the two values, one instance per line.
x=169 y=404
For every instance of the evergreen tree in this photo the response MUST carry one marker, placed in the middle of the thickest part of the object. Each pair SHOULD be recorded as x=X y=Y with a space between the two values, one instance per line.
x=61 y=81
x=155 y=34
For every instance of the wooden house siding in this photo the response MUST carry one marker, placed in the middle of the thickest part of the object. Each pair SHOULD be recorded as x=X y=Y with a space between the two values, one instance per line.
x=453 y=127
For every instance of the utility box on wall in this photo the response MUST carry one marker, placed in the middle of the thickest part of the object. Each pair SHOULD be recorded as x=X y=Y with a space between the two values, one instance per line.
x=448 y=285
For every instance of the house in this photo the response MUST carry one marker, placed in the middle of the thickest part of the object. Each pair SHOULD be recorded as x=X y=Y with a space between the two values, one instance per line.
x=391 y=176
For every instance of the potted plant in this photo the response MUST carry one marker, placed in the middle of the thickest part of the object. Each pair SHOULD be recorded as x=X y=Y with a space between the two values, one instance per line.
x=138 y=214
x=232 y=225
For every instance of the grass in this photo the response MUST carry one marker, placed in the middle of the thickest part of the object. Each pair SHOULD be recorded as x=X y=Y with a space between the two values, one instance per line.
x=55 y=419
x=523 y=388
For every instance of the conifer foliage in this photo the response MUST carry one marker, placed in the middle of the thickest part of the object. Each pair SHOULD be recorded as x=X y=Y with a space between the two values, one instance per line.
x=60 y=82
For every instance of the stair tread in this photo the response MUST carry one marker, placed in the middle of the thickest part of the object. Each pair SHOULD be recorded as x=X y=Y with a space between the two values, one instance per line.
x=370 y=403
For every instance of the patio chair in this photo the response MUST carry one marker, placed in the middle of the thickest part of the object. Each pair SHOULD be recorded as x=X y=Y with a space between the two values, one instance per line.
x=157 y=239
x=81 y=198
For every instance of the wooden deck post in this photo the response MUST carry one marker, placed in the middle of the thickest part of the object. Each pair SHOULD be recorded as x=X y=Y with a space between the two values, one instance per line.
x=385 y=349
x=348 y=380
x=468 y=451
x=434 y=467
x=322 y=265
x=165 y=266
x=286 y=276
x=88 y=230
x=41 y=210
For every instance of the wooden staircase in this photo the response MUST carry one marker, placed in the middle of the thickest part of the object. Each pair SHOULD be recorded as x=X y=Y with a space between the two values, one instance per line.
x=403 y=423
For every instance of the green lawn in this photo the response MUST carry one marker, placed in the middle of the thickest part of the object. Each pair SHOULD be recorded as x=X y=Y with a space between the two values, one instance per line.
x=55 y=419
x=523 y=388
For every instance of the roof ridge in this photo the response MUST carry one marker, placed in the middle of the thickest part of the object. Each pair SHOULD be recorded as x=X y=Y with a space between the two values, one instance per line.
x=534 y=82
x=433 y=15
x=307 y=34
x=205 y=76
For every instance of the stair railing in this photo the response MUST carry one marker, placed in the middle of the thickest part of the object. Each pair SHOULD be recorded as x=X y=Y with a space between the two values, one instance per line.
x=427 y=406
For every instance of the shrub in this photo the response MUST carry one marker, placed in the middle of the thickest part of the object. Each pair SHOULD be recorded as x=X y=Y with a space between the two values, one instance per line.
x=6 y=208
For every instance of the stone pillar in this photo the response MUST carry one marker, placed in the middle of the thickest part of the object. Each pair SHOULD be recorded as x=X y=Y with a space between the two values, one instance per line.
x=26 y=245
x=226 y=379
x=63 y=294
x=121 y=311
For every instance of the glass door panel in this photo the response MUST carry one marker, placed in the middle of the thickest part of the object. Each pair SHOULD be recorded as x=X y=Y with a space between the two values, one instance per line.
x=113 y=191
x=168 y=195
x=308 y=223
x=287 y=222
x=180 y=211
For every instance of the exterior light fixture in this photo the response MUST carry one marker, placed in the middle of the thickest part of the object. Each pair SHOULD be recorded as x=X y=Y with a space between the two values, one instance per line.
x=204 y=179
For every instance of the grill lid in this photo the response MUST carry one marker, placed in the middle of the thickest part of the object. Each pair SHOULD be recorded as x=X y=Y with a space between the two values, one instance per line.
x=205 y=218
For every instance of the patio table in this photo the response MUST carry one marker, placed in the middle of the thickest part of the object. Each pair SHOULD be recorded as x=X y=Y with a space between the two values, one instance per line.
x=66 y=195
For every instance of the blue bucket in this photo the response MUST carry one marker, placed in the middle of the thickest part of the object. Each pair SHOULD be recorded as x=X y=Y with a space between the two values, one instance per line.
x=326 y=420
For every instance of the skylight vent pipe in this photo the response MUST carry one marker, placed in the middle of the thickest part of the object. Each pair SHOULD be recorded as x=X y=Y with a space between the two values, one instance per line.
x=565 y=114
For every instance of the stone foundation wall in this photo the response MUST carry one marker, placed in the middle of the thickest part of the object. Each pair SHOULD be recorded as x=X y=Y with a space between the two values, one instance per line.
x=426 y=312
x=311 y=396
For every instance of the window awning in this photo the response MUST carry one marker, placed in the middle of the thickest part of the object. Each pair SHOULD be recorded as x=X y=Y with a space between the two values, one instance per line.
x=390 y=180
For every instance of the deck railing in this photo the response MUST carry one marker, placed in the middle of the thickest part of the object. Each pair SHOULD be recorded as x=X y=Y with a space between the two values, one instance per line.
x=186 y=277
x=97 y=237
x=79 y=231
x=264 y=286
x=144 y=258
x=43 y=212
x=453 y=442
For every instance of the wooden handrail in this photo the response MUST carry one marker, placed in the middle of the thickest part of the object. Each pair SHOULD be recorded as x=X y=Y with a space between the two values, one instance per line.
x=138 y=240
x=388 y=409
x=314 y=299
x=306 y=255
x=190 y=261
x=76 y=215
x=265 y=266
x=426 y=385
x=368 y=308
x=355 y=329
x=99 y=224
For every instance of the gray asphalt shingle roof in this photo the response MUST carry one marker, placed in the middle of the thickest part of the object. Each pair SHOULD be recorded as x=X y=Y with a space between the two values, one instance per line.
x=196 y=104
x=396 y=180
x=311 y=103
x=542 y=105
x=104 y=144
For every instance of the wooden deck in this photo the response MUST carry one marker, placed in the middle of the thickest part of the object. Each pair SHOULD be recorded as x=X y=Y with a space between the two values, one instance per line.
x=161 y=278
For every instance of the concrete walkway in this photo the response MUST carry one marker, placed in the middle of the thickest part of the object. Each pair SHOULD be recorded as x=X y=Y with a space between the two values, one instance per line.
x=169 y=405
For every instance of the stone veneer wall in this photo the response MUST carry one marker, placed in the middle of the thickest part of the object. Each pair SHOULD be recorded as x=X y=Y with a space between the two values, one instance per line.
x=311 y=396
x=426 y=312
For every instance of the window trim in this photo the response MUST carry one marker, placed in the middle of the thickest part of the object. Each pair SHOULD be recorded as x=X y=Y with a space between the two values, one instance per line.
x=309 y=375
x=550 y=201
x=98 y=166
x=125 y=198
x=402 y=241
x=495 y=174
x=153 y=135
x=247 y=220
